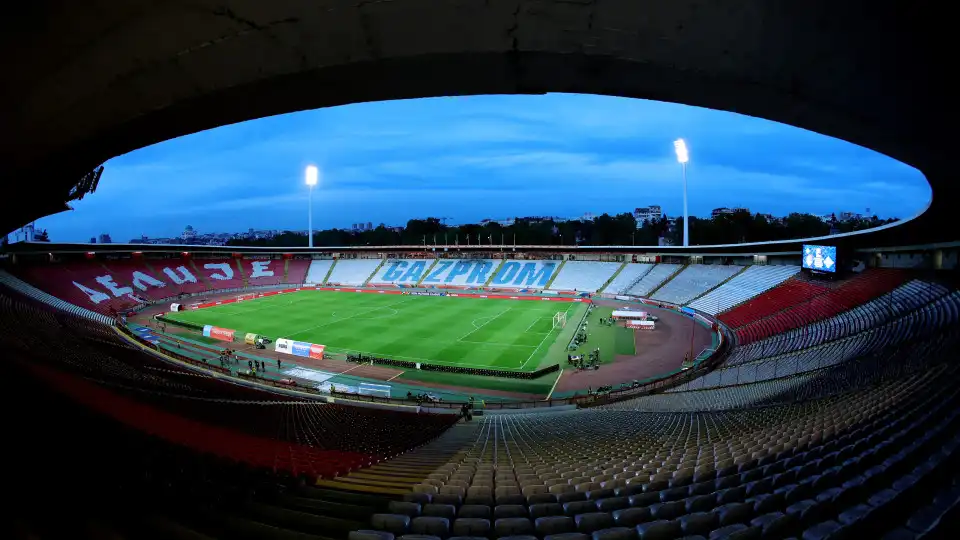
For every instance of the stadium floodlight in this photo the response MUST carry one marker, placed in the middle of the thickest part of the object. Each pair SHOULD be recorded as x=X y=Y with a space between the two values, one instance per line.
x=683 y=156
x=312 y=175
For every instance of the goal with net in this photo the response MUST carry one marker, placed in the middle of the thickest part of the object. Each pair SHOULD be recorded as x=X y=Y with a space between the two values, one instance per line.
x=244 y=297
x=560 y=320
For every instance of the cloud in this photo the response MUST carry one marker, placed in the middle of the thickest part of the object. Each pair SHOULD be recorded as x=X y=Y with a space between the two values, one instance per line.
x=482 y=156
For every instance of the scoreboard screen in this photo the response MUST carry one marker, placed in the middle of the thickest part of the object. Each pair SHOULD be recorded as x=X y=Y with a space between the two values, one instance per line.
x=820 y=258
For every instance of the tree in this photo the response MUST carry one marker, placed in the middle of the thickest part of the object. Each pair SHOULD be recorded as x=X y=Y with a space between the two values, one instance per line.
x=605 y=230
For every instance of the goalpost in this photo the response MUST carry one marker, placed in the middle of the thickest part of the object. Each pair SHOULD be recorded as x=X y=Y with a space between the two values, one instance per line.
x=242 y=297
x=560 y=320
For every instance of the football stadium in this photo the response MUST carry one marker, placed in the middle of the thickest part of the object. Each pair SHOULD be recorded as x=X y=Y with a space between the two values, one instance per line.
x=801 y=388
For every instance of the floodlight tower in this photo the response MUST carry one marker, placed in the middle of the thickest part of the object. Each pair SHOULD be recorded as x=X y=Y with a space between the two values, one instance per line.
x=683 y=157
x=312 y=174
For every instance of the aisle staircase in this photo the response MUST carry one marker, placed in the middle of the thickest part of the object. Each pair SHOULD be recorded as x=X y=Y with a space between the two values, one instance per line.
x=555 y=274
x=383 y=261
x=664 y=282
x=286 y=270
x=153 y=271
x=427 y=272
x=326 y=278
x=609 y=281
x=721 y=284
x=123 y=282
x=637 y=280
x=200 y=275
x=397 y=476
x=494 y=273
x=246 y=282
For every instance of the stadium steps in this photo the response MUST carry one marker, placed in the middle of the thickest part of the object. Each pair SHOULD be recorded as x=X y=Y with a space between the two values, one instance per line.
x=152 y=271
x=398 y=476
x=721 y=284
x=555 y=274
x=120 y=280
x=333 y=507
x=427 y=272
x=376 y=270
x=286 y=270
x=203 y=277
x=784 y=307
x=609 y=281
x=664 y=282
x=637 y=280
x=243 y=275
x=326 y=278
x=494 y=273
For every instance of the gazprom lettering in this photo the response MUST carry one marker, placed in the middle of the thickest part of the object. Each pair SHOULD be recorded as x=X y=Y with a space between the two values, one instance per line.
x=531 y=274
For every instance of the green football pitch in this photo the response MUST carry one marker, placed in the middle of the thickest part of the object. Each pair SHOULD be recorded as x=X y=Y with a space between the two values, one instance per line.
x=467 y=332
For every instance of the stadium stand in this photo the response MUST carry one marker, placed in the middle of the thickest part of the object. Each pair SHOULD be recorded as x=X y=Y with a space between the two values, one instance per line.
x=401 y=271
x=829 y=302
x=220 y=273
x=263 y=272
x=78 y=284
x=29 y=291
x=525 y=274
x=652 y=279
x=751 y=282
x=836 y=465
x=693 y=281
x=583 y=276
x=630 y=274
x=461 y=272
x=783 y=296
x=892 y=337
x=897 y=303
x=319 y=268
x=126 y=271
x=838 y=423
x=297 y=271
x=353 y=271
x=117 y=379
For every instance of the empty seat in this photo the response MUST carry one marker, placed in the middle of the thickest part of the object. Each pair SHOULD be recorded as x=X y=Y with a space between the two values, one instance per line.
x=631 y=517
x=700 y=523
x=509 y=511
x=406 y=508
x=615 y=533
x=471 y=527
x=550 y=525
x=447 y=511
x=392 y=523
x=435 y=526
x=659 y=530
x=593 y=521
x=545 y=509
x=513 y=526
x=370 y=535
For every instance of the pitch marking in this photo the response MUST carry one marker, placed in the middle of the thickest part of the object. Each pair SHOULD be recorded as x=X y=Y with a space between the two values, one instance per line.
x=535 y=321
x=540 y=345
x=484 y=324
x=321 y=325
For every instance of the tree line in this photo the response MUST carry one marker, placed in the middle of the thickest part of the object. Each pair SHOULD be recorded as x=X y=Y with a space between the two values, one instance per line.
x=605 y=230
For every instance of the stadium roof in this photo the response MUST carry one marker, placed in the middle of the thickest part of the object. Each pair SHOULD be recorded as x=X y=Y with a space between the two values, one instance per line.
x=85 y=82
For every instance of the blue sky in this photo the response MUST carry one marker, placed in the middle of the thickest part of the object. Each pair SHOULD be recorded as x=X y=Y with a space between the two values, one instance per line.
x=469 y=158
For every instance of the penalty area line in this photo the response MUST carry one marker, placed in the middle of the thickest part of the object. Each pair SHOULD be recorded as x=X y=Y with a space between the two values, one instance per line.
x=542 y=341
x=484 y=324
